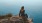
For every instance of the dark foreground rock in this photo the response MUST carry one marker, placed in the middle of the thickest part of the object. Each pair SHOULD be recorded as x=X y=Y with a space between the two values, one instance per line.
x=14 y=19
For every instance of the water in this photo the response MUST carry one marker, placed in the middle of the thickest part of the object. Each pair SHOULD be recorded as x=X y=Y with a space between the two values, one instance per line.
x=36 y=14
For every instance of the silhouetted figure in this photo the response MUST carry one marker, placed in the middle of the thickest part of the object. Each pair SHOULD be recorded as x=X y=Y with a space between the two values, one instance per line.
x=23 y=15
x=22 y=11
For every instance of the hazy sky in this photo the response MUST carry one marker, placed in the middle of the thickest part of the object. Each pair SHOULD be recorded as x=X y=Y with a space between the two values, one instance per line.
x=26 y=3
x=21 y=2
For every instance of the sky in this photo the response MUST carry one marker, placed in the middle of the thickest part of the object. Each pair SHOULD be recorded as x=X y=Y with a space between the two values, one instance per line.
x=21 y=2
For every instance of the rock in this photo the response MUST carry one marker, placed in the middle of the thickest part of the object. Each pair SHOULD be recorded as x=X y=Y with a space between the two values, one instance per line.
x=15 y=19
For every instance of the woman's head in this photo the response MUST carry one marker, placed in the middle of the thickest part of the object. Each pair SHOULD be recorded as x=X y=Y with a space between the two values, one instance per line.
x=22 y=7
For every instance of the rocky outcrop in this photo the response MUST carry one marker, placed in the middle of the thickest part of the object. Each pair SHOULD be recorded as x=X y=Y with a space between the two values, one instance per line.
x=14 y=19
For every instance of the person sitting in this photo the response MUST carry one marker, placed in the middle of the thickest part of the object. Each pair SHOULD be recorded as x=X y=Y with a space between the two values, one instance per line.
x=22 y=14
x=22 y=11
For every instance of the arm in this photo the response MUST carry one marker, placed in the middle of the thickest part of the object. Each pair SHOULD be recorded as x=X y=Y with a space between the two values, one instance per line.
x=19 y=13
x=24 y=11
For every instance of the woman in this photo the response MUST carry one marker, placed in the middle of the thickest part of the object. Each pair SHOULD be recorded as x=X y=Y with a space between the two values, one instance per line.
x=22 y=12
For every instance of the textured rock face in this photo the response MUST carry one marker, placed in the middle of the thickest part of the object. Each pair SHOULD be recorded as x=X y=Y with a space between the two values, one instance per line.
x=13 y=20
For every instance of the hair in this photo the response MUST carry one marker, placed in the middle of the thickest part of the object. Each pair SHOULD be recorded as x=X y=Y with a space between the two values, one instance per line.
x=22 y=7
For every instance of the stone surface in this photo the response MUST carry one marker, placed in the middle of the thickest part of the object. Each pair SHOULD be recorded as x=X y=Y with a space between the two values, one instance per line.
x=15 y=19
